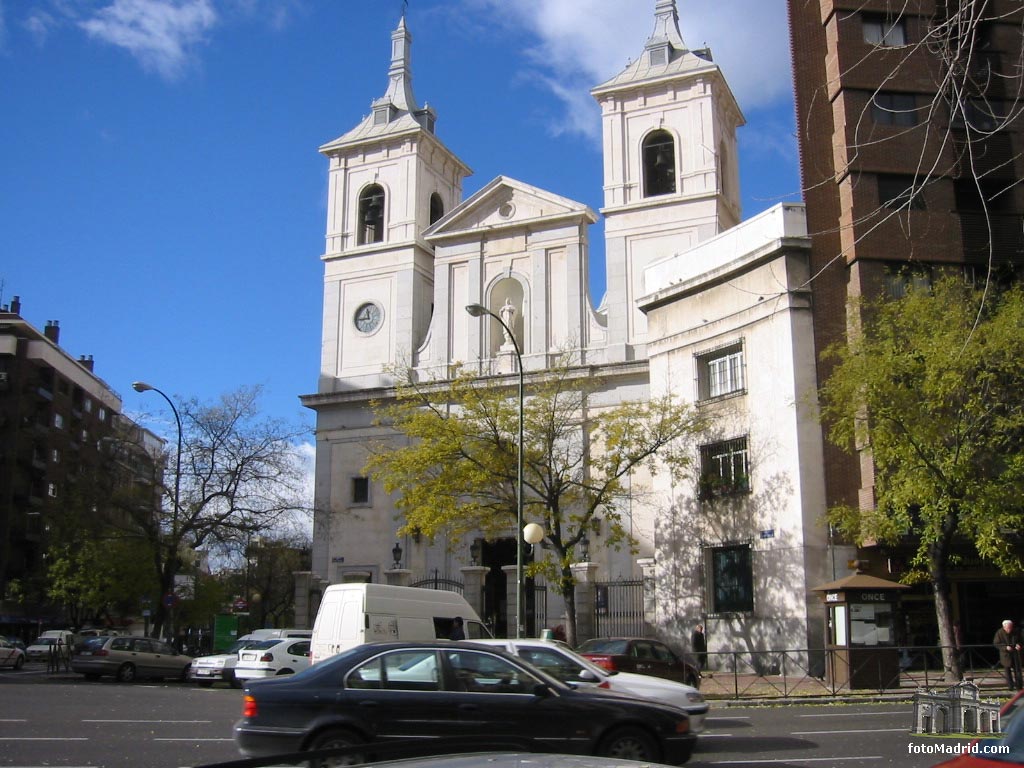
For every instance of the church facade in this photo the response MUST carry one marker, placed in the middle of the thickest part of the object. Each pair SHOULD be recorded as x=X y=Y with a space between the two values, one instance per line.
x=699 y=304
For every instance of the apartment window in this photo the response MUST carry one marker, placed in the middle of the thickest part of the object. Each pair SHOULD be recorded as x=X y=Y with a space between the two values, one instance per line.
x=899 y=282
x=732 y=579
x=55 y=456
x=898 y=191
x=883 y=30
x=58 y=420
x=87 y=405
x=720 y=372
x=889 y=108
x=102 y=414
x=51 y=490
x=724 y=469
x=360 y=490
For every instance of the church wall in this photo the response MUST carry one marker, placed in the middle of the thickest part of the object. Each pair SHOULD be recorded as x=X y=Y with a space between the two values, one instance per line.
x=722 y=308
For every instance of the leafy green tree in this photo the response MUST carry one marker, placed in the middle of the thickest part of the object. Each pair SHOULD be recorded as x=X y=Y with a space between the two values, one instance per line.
x=933 y=387
x=455 y=471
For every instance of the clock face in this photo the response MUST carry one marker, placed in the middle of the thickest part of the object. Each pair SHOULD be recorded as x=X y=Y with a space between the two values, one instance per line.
x=368 y=317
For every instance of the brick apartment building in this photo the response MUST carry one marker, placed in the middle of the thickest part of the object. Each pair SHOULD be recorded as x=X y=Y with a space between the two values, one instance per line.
x=911 y=153
x=58 y=421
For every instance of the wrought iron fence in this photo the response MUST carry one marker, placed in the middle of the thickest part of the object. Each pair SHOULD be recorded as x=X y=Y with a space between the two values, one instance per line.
x=798 y=673
x=619 y=608
x=437 y=581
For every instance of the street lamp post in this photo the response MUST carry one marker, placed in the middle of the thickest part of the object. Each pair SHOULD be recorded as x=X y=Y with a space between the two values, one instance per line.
x=141 y=386
x=478 y=310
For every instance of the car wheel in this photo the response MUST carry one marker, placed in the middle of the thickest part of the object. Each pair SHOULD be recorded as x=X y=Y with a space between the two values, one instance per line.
x=236 y=683
x=335 y=740
x=183 y=677
x=19 y=662
x=629 y=744
x=285 y=672
x=126 y=673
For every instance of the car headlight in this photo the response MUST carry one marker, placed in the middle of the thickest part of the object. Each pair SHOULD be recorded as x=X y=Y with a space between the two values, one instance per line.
x=695 y=698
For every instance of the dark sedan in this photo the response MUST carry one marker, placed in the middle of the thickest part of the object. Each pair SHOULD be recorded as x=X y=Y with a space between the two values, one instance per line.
x=384 y=691
x=640 y=655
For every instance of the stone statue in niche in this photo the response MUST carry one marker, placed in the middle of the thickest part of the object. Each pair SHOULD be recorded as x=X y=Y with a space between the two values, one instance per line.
x=508 y=317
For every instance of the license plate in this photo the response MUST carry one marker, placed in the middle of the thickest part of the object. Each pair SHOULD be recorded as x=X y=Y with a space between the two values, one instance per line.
x=248 y=657
x=202 y=672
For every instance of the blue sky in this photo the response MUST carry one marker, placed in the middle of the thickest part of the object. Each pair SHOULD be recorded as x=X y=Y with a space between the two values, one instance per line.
x=161 y=193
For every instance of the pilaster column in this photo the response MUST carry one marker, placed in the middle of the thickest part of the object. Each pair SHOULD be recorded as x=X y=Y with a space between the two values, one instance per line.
x=650 y=590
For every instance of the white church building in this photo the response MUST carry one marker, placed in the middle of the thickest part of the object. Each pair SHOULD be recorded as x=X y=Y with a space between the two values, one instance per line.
x=699 y=303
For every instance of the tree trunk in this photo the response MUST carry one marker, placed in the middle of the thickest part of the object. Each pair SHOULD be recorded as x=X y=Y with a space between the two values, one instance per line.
x=570 y=607
x=951 y=664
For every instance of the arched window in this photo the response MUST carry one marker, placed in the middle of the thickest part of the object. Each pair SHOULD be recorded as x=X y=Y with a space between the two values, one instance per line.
x=659 y=155
x=436 y=207
x=371 y=215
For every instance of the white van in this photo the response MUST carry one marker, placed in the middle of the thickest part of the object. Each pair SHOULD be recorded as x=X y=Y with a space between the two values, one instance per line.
x=352 y=614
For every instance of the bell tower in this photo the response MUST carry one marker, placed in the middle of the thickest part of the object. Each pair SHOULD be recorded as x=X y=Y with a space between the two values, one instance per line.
x=669 y=125
x=390 y=178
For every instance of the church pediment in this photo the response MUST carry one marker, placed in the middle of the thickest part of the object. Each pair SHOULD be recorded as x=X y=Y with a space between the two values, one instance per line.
x=507 y=203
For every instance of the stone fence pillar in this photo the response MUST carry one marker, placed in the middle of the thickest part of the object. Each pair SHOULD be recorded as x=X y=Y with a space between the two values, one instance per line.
x=585 y=575
x=398 y=577
x=473 y=579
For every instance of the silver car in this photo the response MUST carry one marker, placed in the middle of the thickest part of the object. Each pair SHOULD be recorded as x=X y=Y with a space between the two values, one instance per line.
x=129 y=658
x=559 y=661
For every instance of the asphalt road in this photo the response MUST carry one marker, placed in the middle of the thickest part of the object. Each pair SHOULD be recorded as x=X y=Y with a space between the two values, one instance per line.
x=73 y=723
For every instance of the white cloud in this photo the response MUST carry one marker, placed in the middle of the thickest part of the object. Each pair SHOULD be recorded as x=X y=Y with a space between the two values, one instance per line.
x=39 y=25
x=159 y=33
x=580 y=45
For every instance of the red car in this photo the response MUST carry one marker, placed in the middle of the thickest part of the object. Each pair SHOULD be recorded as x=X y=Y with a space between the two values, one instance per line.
x=1003 y=752
x=641 y=656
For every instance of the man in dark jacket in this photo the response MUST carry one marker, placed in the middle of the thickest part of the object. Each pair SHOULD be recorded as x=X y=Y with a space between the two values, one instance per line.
x=1007 y=641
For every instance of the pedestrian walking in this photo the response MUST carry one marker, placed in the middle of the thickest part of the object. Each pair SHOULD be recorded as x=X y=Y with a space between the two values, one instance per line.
x=699 y=646
x=1007 y=641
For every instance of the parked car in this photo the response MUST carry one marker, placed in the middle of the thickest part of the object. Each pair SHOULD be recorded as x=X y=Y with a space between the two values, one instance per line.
x=387 y=691
x=642 y=656
x=49 y=641
x=10 y=654
x=270 y=658
x=129 y=658
x=207 y=670
x=17 y=642
x=560 y=661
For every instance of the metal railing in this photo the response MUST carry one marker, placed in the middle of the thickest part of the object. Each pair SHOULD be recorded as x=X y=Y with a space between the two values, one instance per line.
x=799 y=673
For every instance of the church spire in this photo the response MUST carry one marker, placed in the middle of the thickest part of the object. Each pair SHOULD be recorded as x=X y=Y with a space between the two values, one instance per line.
x=399 y=93
x=666 y=27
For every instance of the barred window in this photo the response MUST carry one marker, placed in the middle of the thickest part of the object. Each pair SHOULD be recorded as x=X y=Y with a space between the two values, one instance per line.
x=720 y=372
x=732 y=578
x=724 y=468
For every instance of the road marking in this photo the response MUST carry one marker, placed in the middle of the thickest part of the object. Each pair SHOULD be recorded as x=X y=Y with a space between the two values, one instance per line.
x=852 y=730
x=705 y=735
x=193 y=740
x=13 y=720
x=862 y=714
x=44 y=738
x=728 y=717
x=798 y=760
x=151 y=722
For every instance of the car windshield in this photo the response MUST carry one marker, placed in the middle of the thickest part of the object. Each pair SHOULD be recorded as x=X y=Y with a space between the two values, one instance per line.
x=598 y=645
x=45 y=641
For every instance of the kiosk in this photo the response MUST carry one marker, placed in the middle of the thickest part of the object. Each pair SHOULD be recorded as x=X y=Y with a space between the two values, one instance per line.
x=860 y=632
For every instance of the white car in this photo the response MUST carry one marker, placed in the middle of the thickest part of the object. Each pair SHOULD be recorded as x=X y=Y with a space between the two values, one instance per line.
x=561 y=662
x=10 y=654
x=269 y=658
x=207 y=670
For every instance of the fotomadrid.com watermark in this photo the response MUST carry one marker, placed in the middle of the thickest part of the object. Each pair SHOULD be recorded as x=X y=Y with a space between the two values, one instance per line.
x=958 y=749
